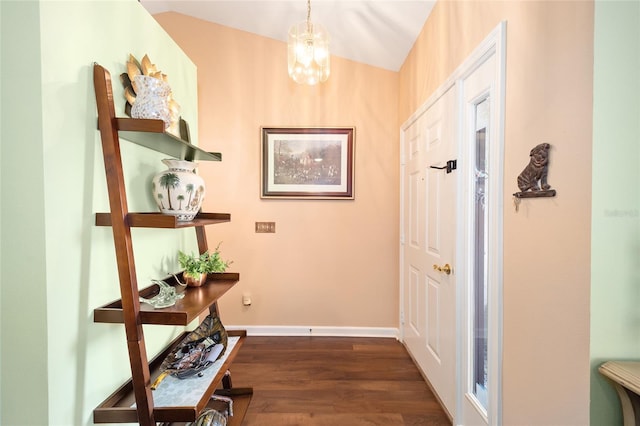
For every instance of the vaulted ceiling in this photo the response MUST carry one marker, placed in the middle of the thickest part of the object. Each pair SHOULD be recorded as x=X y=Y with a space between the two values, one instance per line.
x=375 y=32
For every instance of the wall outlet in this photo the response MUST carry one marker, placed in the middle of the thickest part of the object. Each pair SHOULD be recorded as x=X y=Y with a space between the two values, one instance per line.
x=266 y=227
x=246 y=299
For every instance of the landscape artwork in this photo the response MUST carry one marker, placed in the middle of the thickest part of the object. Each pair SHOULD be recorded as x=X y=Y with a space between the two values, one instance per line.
x=307 y=162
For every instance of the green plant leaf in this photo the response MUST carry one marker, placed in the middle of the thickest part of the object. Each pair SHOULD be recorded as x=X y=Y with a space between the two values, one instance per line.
x=203 y=263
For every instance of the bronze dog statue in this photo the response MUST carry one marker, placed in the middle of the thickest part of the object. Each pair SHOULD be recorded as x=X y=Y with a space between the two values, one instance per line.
x=534 y=176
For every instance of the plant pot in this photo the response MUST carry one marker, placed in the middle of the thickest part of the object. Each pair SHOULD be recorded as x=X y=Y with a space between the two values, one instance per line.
x=192 y=281
x=179 y=191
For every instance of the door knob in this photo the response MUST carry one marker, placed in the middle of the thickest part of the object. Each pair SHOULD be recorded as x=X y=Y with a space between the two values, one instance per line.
x=446 y=268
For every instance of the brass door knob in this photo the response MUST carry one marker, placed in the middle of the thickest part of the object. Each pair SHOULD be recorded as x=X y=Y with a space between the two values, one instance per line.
x=446 y=268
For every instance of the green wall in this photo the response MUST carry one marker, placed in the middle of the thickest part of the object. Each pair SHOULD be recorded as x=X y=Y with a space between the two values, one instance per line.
x=23 y=268
x=615 y=246
x=57 y=365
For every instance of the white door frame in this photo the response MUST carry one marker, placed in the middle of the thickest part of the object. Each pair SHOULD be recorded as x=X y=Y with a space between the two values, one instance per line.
x=494 y=44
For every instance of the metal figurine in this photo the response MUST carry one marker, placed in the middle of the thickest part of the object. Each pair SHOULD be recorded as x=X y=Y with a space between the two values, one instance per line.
x=533 y=179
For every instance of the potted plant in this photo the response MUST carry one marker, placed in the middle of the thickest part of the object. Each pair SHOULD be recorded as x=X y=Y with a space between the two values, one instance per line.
x=196 y=267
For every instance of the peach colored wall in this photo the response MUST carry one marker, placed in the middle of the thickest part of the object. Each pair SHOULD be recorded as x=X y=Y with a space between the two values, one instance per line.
x=330 y=263
x=549 y=74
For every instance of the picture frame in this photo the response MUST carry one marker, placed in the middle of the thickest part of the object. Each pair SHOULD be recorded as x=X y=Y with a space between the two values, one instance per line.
x=307 y=162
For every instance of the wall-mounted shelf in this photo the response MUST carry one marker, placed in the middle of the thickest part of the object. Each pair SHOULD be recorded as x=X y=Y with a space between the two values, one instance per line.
x=536 y=194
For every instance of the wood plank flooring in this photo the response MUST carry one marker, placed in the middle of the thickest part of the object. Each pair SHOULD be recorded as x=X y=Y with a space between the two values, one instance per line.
x=329 y=381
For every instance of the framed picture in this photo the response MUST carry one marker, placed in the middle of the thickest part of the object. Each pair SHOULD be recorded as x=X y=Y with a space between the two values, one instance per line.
x=312 y=163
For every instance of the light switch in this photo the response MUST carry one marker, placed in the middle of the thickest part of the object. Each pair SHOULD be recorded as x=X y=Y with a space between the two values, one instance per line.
x=266 y=227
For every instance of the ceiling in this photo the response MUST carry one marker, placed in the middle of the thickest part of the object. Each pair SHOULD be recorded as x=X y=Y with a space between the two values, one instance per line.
x=374 y=32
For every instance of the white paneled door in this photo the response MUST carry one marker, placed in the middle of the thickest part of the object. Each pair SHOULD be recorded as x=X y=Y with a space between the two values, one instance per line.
x=429 y=266
x=451 y=236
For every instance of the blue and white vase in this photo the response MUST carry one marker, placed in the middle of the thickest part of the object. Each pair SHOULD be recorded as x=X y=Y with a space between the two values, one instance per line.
x=178 y=191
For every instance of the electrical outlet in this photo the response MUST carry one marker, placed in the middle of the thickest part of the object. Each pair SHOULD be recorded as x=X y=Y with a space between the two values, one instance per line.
x=266 y=227
x=246 y=299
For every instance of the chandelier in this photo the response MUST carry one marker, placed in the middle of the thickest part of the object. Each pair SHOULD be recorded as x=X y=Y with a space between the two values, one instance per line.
x=308 y=52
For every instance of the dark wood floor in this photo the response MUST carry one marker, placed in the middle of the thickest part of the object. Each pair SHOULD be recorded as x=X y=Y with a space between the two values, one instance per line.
x=328 y=381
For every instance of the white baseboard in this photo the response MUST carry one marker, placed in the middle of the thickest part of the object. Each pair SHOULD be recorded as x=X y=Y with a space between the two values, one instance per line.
x=279 y=330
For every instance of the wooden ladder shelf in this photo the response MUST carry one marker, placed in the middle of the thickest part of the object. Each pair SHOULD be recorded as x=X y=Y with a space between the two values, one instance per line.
x=134 y=400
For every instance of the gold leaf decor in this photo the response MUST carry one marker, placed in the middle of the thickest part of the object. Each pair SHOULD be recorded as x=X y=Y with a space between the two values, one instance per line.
x=146 y=67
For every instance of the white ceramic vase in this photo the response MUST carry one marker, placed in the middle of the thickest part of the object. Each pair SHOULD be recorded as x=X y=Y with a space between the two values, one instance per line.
x=179 y=191
x=152 y=99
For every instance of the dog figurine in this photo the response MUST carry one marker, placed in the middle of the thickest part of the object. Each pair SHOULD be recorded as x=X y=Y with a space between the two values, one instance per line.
x=534 y=176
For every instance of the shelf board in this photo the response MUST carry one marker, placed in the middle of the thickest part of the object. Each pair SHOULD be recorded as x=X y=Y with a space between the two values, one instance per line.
x=159 y=220
x=118 y=407
x=150 y=134
x=196 y=300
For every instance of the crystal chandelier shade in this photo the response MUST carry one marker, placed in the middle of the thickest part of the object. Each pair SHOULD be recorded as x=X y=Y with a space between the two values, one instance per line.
x=308 y=52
